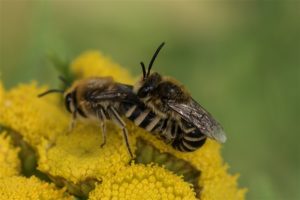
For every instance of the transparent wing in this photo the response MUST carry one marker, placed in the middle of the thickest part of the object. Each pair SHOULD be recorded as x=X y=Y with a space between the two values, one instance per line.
x=195 y=114
x=120 y=92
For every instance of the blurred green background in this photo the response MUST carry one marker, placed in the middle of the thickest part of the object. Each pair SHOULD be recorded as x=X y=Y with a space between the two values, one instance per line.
x=240 y=59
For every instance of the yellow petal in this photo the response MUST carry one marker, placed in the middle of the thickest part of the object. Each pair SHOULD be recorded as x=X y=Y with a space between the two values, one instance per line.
x=21 y=188
x=9 y=161
x=143 y=182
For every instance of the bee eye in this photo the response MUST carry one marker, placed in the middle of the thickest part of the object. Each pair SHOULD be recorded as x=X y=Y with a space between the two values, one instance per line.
x=142 y=93
x=68 y=101
x=149 y=84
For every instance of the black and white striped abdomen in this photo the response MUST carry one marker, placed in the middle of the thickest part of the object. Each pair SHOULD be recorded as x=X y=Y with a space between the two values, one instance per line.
x=143 y=117
x=167 y=129
x=190 y=141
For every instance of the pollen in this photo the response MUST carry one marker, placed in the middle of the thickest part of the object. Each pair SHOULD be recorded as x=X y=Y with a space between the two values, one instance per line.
x=10 y=163
x=21 y=188
x=143 y=182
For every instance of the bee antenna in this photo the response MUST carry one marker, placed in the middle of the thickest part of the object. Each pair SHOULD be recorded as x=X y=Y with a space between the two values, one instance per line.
x=144 y=69
x=63 y=79
x=50 y=91
x=154 y=57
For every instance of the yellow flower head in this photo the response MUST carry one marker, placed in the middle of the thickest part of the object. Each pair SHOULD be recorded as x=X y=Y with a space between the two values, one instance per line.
x=94 y=63
x=83 y=144
x=1 y=91
x=21 y=188
x=10 y=163
x=78 y=157
x=75 y=159
x=143 y=182
x=30 y=116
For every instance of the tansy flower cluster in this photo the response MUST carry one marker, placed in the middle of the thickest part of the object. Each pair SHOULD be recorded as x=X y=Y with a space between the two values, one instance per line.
x=41 y=159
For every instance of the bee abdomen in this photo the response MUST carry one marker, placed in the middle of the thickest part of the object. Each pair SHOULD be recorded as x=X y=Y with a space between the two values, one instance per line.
x=142 y=117
x=188 y=142
x=180 y=139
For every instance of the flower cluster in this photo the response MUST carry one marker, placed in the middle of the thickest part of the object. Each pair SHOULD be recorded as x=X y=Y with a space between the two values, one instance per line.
x=10 y=163
x=65 y=165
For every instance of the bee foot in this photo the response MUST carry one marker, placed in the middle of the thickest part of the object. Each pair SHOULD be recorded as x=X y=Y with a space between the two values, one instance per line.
x=102 y=145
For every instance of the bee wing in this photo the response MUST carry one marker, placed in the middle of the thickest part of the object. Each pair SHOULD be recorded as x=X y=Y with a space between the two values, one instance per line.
x=195 y=114
x=121 y=93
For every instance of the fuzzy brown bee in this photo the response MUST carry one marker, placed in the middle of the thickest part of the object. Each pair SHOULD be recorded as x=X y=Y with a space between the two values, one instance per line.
x=171 y=112
x=99 y=98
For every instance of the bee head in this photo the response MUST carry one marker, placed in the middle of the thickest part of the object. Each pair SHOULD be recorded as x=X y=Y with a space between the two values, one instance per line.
x=148 y=85
x=149 y=80
x=68 y=95
x=69 y=103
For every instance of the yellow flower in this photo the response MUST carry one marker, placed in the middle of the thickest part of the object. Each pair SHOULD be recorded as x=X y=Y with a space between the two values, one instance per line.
x=21 y=188
x=77 y=157
x=76 y=160
x=1 y=91
x=94 y=63
x=30 y=116
x=143 y=182
x=9 y=161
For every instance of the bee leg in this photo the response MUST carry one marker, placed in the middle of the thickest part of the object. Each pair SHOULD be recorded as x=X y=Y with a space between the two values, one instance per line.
x=118 y=121
x=73 y=121
x=167 y=133
x=125 y=133
x=102 y=117
x=173 y=133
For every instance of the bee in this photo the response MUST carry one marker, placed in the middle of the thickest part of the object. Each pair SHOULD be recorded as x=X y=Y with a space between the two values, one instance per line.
x=171 y=112
x=101 y=99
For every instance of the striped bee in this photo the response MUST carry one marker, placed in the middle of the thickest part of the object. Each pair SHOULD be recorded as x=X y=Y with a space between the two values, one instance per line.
x=171 y=112
x=101 y=99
